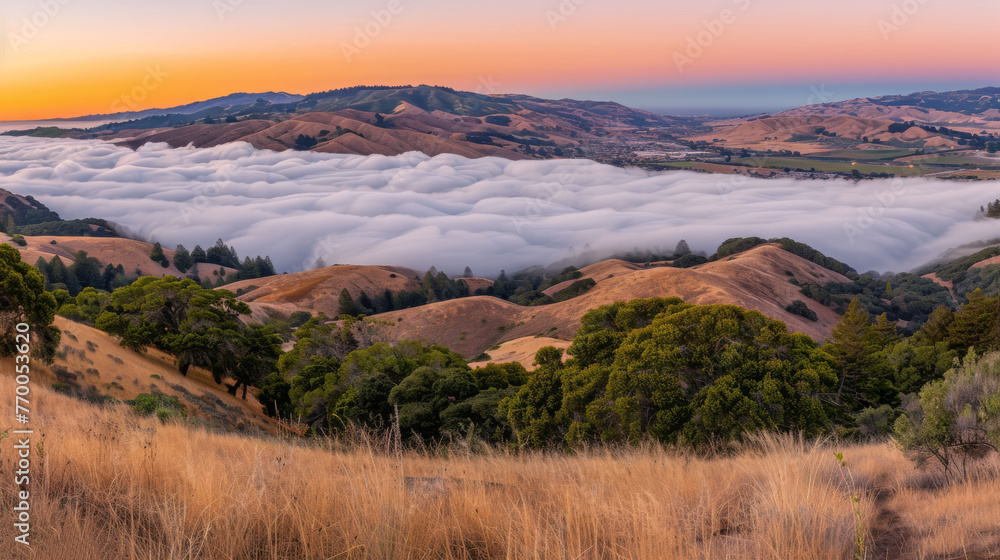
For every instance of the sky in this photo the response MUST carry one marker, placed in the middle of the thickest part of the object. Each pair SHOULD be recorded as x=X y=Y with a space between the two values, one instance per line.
x=66 y=58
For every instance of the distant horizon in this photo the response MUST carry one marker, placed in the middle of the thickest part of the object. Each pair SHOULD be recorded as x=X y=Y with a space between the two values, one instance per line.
x=716 y=101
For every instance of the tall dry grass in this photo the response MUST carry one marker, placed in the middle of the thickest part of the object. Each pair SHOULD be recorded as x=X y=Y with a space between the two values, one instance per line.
x=111 y=485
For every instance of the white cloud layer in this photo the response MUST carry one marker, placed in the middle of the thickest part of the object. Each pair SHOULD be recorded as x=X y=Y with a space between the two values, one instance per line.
x=489 y=213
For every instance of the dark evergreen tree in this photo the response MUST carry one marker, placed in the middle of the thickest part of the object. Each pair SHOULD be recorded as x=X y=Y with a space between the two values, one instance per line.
x=198 y=254
x=156 y=255
x=182 y=259
x=347 y=305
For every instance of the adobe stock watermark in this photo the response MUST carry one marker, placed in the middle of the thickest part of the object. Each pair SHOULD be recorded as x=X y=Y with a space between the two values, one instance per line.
x=885 y=198
x=733 y=183
x=819 y=95
x=31 y=26
x=900 y=16
x=534 y=207
x=225 y=7
x=130 y=101
x=205 y=193
x=372 y=29
x=486 y=86
x=320 y=254
x=698 y=43
x=565 y=10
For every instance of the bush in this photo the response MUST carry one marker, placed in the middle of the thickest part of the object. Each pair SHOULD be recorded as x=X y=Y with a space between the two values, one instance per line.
x=164 y=406
x=304 y=142
x=799 y=307
x=18 y=239
x=299 y=318
x=575 y=289
x=689 y=260
x=956 y=418
x=498 y=120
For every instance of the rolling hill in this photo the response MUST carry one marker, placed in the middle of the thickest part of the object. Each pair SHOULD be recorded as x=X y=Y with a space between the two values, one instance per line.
x=949 y=120
x=756 y=279
x=381 y=120
x=92 y=365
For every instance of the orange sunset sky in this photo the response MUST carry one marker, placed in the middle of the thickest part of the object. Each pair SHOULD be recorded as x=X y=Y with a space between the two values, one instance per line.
x=65 y=58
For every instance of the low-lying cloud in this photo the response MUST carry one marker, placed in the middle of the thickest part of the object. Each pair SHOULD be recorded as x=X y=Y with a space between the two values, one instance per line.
x=489 y=213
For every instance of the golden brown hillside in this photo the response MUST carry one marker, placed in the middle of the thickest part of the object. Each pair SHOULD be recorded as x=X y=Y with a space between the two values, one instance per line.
x=792 y=132
x=352 y=131
x=131 y=254
x=757 y=279
x=93 y=362
x=318 y=291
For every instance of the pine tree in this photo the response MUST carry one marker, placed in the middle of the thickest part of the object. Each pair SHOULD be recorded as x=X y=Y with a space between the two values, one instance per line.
x=43 y=267
x=682 y=249
x=347 y=305
x=108 y=278
x=58 y=274
x=182 y=259
x=8 y=226
x=156 y=255
x=848 y=345
x=467 y=273
x=198 y=254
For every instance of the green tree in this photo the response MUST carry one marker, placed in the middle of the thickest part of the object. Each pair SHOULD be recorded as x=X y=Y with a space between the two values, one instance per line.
x=257 y=354
x=182 y=259
x=7 y=225
x=533 y=411
x=197 y=325
x=717 y=371
x=977 y=324
x=857 y=344
x=156 y=255
x=198 y=254
x=347 y=305
x=23 y=299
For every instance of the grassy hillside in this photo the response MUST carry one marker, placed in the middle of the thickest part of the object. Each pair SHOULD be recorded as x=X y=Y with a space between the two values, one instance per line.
x=756 y=279
x=92 y=363
x=110 y=484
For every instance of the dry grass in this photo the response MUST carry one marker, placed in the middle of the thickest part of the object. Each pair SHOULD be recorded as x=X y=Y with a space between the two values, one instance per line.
x=110 y=485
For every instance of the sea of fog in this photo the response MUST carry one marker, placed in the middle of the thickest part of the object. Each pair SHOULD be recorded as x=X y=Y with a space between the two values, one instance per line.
x=488 y=213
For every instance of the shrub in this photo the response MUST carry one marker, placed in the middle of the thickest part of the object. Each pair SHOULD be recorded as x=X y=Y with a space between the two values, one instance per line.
x=499 y=120
x=18 y=239
x=304 y=142
x=575 y=289
x=799 y=307
x=299 y=318
x=689 y=260
x=956 y=418
x=164 y=406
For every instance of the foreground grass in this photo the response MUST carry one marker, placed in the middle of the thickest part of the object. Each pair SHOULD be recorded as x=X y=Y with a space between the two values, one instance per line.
x=109 y=485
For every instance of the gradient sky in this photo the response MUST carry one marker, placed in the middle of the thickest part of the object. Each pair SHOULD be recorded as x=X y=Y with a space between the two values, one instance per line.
x=94 y=56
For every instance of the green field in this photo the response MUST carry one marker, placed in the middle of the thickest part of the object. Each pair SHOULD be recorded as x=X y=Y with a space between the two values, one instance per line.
x=868 y=155
x=827 y=166
x=960 y=160
x=703 y=166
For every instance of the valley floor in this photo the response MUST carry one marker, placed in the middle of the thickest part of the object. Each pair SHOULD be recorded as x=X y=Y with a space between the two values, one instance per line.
x=108 y=484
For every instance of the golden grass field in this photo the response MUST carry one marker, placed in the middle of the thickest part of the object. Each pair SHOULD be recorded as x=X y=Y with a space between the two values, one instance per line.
x=107 y=484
